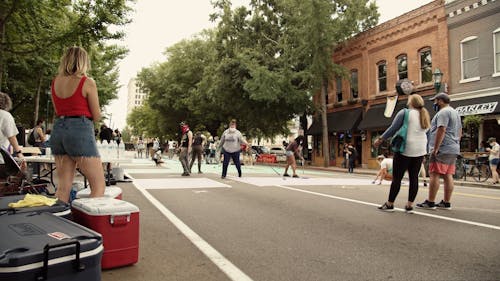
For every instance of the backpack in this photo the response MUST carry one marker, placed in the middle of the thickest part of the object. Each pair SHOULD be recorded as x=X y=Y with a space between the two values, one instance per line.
x=31 y=137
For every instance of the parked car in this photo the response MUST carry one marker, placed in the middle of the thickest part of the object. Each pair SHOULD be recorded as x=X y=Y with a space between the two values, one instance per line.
x=280 y=153
x=278 y=150
x=259 y=149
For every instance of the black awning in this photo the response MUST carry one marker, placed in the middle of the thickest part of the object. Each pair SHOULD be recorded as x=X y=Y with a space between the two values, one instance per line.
x=375 y=119
x=347 y=120
x=482 y=105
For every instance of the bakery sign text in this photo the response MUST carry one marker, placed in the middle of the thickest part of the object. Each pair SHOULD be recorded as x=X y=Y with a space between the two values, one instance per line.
x=481 y=108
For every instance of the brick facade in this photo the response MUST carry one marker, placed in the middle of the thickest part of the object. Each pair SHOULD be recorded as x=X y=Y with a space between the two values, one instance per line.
x=409 y=34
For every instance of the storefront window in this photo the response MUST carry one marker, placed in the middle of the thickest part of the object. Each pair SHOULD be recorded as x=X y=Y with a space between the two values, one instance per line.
x=317 y=145
x=382 y=149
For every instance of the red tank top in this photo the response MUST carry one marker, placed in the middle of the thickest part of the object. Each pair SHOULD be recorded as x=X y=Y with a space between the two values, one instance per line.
x=75 y=105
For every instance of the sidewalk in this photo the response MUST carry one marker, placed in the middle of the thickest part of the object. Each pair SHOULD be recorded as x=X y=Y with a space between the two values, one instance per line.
x=373 y=172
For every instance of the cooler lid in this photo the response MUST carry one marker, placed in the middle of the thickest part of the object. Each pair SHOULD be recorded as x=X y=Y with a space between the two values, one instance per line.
x=25 y=235
x=109 y=191
x=102 y=206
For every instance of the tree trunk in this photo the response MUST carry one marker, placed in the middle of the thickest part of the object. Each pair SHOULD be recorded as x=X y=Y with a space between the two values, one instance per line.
x=324 y=125
x=37 y=97
x=305 y=145
x=2 y=41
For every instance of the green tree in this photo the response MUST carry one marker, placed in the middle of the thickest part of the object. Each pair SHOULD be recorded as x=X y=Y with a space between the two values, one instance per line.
x=33 y=35
x=313 y=30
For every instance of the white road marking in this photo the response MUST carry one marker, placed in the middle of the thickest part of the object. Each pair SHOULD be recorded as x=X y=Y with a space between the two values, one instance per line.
x=495 y=227
x=233 y=272
x=273 y=181
x=150 y=171
x=179 y=183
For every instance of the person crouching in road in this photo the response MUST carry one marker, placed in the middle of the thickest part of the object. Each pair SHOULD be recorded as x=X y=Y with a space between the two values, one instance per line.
x=385 y=172
x=292 y=150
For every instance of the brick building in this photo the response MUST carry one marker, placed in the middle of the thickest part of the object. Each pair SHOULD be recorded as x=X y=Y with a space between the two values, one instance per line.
x=411 y=46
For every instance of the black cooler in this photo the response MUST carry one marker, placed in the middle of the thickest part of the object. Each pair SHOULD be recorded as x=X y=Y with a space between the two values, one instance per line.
x=59 y=209
x=42 y=246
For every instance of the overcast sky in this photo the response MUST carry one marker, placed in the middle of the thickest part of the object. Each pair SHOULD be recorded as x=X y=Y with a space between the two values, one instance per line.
x=159 y=24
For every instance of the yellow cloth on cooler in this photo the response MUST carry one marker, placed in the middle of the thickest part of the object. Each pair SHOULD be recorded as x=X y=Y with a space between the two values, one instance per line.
x=33 y=200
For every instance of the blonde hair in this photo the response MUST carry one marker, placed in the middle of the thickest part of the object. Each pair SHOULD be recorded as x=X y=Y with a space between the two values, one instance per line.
x=417 y=102
x=5 y=102
x=75 y=61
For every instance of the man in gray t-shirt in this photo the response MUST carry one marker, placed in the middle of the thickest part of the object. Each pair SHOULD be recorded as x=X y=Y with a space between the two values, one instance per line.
x=444 y=146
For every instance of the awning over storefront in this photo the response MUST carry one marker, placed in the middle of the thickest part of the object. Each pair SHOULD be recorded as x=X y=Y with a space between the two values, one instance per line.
x=482 y=105
x=338 y=121
x=375 y=119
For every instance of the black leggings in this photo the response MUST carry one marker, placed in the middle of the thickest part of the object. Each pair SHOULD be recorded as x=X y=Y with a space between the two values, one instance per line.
x=400 y=165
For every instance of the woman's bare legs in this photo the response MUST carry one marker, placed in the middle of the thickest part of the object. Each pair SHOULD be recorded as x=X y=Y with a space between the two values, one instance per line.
x=92 y=169
x=65 y=174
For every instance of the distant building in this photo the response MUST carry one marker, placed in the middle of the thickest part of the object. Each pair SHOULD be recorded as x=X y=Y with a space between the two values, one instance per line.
x=135 y=97
x=474 y=52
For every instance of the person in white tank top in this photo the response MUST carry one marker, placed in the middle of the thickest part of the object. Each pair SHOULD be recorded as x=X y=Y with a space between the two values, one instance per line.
x=411 y=158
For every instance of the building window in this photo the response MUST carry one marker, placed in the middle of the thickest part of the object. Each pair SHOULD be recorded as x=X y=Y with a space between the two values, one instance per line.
x=426 y=65
x=382 y=76
x=354 y=84
x=402 y=62
x=338 y=88
x=496 y=49
x=470 y=57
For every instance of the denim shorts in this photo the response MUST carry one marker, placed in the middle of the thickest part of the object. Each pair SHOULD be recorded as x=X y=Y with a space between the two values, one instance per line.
x=494 y=161
x=73 y=137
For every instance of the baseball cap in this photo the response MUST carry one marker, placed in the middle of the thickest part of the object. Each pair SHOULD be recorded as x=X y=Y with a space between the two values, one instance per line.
x=492 y=139
x=441 y=96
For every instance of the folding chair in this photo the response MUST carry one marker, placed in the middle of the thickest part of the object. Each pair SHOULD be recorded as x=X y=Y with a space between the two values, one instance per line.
x=13 y=180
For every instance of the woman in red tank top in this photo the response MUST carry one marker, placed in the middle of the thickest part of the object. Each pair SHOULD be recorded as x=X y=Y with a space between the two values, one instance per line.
x=72 y=141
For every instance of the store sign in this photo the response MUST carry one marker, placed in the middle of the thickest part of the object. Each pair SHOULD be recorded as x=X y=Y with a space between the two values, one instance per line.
x=473 y=109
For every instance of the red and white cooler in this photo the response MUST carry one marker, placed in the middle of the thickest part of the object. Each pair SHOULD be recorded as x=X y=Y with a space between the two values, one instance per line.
x=118 y=223
x=109 y=191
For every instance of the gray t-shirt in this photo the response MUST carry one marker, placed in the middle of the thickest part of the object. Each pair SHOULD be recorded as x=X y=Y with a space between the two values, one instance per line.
x=231 y=141
x=446 y=117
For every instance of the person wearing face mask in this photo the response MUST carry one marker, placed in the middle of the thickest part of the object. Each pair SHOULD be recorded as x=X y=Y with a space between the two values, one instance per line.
x=494 y=158
x=186 y=142
x=444 y=146
x=231 y=142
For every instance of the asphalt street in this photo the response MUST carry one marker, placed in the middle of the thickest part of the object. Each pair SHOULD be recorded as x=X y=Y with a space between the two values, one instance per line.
x=322 y=226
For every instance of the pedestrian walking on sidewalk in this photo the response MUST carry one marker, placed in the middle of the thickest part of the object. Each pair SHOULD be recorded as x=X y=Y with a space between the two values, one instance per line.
x=293 y=150
x=186 y=145
x=76 y=104
x=494 y=158
x=444 y=147
x=415 y=148
x=231 y=142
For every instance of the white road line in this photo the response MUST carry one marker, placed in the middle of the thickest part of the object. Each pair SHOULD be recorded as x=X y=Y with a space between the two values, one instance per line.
x=233 y=272
x=490 y=226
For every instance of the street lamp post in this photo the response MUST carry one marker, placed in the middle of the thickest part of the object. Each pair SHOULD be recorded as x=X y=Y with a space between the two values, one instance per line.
x=438 y=77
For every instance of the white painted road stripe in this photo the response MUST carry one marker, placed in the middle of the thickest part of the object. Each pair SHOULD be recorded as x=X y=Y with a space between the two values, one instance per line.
x=233 y=272
x=180 y=183
x=372 y=204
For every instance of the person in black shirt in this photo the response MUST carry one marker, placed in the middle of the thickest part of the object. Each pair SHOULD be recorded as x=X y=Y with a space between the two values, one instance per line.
x=198 y=142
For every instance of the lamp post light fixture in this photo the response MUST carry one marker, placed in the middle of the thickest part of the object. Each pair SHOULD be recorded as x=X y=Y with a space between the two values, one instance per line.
x=438 y=77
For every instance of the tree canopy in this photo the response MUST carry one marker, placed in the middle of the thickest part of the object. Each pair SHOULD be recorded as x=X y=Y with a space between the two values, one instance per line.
x=33 y=36
x=261 y=65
